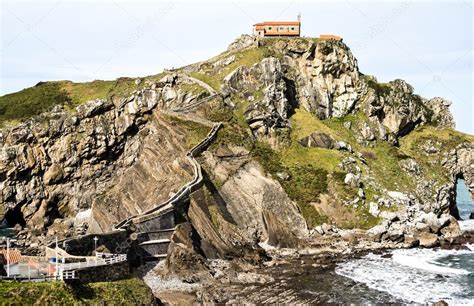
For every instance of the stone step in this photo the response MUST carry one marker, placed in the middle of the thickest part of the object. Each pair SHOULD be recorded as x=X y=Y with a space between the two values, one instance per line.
x=154 y=247
x=155 y=235
x=158 y=257
x=157 y=241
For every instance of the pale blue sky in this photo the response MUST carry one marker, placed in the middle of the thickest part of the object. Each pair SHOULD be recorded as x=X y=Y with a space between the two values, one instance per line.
x=427 y=43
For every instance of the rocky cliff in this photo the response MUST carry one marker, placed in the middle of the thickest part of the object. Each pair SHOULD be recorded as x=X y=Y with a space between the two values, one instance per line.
x=310 y=147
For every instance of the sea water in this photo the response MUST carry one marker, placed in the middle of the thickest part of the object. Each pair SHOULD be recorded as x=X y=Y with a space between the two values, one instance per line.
x=422 y=275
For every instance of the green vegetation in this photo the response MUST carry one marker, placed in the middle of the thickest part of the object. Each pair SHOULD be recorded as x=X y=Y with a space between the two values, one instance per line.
x=380 y=88
x=40 y=98
x=214 y=77
x=194 y=89
x=443 y=139
x=131 y=291
x=304 y=124
x=306 y=182
x=32 y=101
x=382 y=158
x=195 y=132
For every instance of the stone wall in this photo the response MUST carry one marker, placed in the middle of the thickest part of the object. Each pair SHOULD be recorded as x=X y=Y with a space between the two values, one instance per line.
x=107 y=273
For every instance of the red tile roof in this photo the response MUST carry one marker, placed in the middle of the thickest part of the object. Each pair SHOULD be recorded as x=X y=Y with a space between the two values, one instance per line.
x=277 y=23
x=330 y=36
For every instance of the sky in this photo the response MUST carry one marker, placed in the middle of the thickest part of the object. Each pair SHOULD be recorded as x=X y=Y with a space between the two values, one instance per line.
x=427 y=43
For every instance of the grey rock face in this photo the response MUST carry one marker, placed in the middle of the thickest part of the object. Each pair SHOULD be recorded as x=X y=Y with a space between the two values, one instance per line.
x=440 y=112
x=328 y=78
x=411 y=166
x=264 y=116
x=90 y=158
x=244 y=41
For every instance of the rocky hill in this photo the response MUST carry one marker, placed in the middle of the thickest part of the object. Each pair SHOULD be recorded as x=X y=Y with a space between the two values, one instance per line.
x=310 y=148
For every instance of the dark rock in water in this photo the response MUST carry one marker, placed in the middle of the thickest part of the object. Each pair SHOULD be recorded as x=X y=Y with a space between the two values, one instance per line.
x=471 y=216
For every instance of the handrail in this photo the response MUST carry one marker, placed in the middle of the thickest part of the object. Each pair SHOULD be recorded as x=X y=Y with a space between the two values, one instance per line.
x=185 y=190
x=94 y=263
x=68 y=271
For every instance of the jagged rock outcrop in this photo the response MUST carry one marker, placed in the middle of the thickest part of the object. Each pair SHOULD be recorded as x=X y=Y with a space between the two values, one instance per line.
x=108 y=159
x=244 y=41
x=323 y=77
x=267 y=114
x=326 y=76
x=255 y=203
x=440 y=113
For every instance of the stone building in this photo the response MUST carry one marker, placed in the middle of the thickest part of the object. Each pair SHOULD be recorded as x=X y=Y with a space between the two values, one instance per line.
x=277 y=28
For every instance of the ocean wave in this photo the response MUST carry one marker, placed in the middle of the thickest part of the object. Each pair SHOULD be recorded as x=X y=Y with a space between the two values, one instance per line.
x=415 y=275
x=467 y=225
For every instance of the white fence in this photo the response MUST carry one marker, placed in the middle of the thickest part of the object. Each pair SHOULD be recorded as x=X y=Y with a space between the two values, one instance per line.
x=68 y=271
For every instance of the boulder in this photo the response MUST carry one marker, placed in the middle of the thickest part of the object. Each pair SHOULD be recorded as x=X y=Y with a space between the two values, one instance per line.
x=53 y=175
x=428 y=240
x=410 y=165
x=352 y=180
x=410 y=242
x=374 y=209
x=243 y=42
x=451 y=230
x=319 y=229
x=376 y=232
x=389 y=215
x=318 y=140
x=432 y=220
x=366 y=132
x=422 y=227
x=399 y=197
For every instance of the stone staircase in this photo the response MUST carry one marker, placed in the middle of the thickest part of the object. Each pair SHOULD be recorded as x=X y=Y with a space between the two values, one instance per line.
x=154 y=245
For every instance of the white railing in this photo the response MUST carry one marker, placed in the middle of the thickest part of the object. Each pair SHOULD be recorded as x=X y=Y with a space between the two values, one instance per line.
x=94 y=263
x=67 y=275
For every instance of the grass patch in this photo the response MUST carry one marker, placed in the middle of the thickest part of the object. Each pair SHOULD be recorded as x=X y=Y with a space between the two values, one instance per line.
x=381 y=89
x=125 y=292
x=194 y=89
x=195 y=132
x=303 y=124
x=442 y=138
x=32 y=101
x=304 y=186
x=214 y=77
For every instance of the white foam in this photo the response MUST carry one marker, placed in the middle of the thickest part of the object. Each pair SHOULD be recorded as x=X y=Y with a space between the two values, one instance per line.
x=467 y=225
x=412 y=275
x=425 y=259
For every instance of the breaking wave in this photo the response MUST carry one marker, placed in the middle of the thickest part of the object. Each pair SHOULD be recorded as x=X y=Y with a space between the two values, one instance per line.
x=417 y=275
